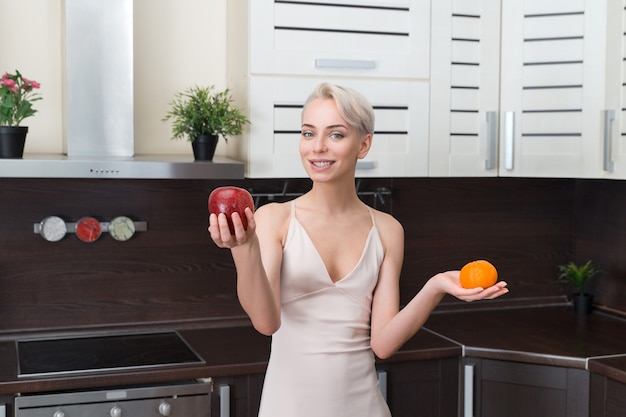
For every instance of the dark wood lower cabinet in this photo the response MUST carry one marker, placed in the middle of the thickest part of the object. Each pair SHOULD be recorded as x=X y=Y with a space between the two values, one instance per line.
x=417 y=388
x=421 y=388
x=237 y=396
x=608 y=397
x=494 y=388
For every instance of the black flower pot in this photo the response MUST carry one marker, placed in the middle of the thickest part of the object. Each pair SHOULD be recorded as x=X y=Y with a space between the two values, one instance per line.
x=582 y=304
x=12 y=140
x=204 y=147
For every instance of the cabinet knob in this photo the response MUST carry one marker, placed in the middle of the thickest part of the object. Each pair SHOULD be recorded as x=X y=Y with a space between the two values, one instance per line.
x=116 y=412
x=165 y=408
x=58 y=413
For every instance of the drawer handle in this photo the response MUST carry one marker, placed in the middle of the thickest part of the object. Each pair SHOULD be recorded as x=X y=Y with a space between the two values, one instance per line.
x=345 y=63
x=609 y=117
x=468 y=391
x=224 y=400
x=509 y=139
x=382 y=383
x=490 y=162
x=365 y=165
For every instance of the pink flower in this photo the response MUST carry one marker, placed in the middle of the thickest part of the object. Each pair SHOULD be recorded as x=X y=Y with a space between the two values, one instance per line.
x=17 y=98
x=9 y=83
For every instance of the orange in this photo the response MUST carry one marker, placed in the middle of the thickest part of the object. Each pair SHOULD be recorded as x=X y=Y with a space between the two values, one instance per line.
x=478 y=274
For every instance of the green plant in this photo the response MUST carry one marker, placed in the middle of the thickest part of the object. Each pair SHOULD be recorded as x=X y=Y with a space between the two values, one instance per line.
x=16 y=98
x=577 y=276
x=203 y=111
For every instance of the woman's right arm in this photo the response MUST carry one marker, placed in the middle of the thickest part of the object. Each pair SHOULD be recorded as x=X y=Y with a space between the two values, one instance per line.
x=257 y=253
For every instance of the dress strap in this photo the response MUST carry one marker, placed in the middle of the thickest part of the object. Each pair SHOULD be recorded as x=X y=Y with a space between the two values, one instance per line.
x=372 y=216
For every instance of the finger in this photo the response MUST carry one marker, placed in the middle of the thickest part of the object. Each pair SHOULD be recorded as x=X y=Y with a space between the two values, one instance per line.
x=214 y=228
x=224 y=230
x=240 y=232
x=250 y=217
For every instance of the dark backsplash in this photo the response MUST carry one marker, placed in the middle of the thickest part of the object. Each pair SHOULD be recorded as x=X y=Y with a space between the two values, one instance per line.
x=173 y=272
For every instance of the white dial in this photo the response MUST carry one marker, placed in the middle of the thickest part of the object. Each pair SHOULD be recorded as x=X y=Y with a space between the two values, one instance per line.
x=121 y=228
x=53 y=228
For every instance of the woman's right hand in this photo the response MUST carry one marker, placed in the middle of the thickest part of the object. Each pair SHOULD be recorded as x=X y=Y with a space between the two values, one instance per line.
x=220 y=232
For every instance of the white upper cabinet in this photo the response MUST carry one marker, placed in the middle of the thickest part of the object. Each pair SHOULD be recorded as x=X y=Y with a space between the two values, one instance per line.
x=360 y=38
x=280 y=50
x=274 y=135
x=614 y=115
x=520 y=95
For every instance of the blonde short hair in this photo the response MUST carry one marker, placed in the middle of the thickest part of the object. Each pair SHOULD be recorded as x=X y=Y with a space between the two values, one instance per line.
x=353 y=107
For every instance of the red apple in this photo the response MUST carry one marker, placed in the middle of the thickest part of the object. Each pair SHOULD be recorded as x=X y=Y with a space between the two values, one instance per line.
x=229 y=200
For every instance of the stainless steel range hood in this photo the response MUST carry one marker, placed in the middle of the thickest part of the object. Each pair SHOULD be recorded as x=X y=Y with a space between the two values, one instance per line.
x=99 y=107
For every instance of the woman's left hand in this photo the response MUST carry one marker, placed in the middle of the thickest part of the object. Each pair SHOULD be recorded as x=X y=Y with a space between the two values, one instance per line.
x=449 y=282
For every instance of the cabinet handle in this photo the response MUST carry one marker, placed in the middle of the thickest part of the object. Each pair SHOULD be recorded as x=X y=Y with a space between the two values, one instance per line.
x=225 y=400
x=468 y=391
x=509 y=139
x=382 y=382
x=345 y=63
x=365 y=165
x=490 y=162
x=609 y=117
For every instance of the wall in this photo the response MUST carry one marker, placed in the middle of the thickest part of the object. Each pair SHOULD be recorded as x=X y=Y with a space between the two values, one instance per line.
x=177 y=44
x=174 y=273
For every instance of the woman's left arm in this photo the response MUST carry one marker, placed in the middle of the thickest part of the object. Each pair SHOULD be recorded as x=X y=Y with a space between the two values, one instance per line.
x=392 y=327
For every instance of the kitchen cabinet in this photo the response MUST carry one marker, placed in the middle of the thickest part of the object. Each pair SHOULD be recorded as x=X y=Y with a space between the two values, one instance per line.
x=276 y=58
x=421 y=388
x=614 y=114
x=493 y=388
x=607 y=397
x=518 y=88
x=237 y=396
x=428 y=387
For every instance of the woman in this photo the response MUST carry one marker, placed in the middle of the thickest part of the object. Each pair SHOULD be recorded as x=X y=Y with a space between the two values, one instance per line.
x=321 y=274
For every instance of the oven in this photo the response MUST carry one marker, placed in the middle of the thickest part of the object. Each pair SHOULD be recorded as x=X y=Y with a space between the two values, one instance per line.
x=58 y=357
x=182 y=399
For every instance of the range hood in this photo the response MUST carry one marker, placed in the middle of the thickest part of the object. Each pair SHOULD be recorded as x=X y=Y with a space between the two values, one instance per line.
x=99 y=107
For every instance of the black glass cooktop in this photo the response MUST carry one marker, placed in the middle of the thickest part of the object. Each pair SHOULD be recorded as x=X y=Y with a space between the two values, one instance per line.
x=45 y=357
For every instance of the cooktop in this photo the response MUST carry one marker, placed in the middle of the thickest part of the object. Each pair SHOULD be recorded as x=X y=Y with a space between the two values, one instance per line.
x=60 y=356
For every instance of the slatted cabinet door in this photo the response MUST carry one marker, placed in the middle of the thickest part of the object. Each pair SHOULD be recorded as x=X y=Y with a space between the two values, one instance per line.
x=465 y=88
x=349 y=37
x=400 y=145
x=614 y=115
x=551 y=86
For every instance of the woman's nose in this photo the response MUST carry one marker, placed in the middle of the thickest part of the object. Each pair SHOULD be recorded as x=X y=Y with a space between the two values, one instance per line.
x=320 y=144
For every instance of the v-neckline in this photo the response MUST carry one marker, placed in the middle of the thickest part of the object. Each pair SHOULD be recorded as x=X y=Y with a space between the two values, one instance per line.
x=321 y=260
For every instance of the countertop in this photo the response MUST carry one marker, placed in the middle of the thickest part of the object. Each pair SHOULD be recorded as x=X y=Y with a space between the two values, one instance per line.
x=549 y=335
x=226 y=350
x=546 y=335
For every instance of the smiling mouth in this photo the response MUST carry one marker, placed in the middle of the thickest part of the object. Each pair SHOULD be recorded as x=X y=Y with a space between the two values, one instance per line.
x=321 y=164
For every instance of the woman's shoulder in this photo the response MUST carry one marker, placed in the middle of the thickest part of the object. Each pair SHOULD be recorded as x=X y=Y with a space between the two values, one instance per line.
x=273 y=218
x=274 y=210
x=385 y=220
x=389 y=228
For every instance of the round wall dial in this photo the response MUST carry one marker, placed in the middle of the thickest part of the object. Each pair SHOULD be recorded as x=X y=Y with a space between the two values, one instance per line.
x=88 y=229
x=53 y=228
x=121 y=228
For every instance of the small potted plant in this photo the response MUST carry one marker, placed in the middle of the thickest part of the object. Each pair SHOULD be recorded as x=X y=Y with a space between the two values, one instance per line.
x=578 y=276
x=17 y=95
x=201 y=115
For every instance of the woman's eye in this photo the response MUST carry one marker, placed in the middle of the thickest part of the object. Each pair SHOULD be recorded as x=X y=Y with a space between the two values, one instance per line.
x=307 y=134
x=336 y=135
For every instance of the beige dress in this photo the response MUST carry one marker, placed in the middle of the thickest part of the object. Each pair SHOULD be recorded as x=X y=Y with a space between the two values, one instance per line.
x=321 y=361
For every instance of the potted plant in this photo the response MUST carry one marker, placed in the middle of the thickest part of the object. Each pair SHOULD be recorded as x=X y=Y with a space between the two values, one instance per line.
x=201 y=115
x=577 y=276
x=17 y=95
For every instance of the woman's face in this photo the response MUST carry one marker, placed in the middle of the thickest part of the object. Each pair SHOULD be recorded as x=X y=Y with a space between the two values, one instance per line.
x=329 y=146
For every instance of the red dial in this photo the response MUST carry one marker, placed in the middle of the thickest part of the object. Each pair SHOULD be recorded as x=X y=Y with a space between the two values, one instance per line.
x=88 y=229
